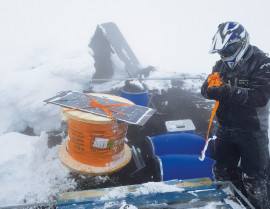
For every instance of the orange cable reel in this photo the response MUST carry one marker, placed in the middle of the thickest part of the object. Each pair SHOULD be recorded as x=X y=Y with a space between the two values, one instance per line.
x=97 y=145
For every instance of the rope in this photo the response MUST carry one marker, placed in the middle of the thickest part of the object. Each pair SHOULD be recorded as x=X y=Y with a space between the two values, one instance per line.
x=94 y=103
x=213 y=81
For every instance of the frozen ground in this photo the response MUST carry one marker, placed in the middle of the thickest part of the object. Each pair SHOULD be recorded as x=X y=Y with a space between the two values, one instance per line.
x=30 y=172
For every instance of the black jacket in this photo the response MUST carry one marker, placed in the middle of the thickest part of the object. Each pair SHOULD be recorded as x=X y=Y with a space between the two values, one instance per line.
x=253 y=74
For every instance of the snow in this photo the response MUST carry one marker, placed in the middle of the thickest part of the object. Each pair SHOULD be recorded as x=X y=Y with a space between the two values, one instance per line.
x=137 y=84
x=156 y=187
x=115 y=193
x=44 y=51
x=29 y=171
x=147 y=188
x=23 y=92
x=193 y=85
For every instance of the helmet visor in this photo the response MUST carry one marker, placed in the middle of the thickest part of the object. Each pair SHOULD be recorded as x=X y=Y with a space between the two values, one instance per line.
x=230 y=49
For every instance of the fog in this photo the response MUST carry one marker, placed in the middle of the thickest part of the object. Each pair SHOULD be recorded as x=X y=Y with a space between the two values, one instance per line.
x=172 y=35
x=44 y=50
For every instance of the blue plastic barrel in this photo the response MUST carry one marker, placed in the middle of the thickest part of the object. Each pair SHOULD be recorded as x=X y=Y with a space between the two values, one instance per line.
x=182 y=143
x=177 y=166
x=140 y=98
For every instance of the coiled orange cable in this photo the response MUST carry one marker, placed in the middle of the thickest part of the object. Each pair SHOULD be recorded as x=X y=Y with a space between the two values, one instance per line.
x=96 y=145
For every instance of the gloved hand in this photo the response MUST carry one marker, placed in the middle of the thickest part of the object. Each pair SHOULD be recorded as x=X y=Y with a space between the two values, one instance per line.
x=238 y=95
x=235 y=95
x=218 y=93
x=213 y=88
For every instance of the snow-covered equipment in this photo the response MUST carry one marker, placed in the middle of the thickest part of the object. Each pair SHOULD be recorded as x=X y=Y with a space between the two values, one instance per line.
x=191 y=193
x=113 y=56
x=96 y=143
x=133 y=114
x=136 y=92
x=180 y=126
x=231 y=41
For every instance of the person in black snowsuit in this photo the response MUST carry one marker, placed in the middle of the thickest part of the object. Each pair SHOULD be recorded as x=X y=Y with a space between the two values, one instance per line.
x=241 y=144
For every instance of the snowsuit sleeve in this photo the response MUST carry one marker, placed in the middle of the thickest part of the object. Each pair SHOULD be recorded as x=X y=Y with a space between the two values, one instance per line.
x=259 y=86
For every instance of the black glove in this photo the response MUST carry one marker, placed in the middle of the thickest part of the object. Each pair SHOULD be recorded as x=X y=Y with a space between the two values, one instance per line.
x=234 y=95
x=218 y=93
x=238 y=95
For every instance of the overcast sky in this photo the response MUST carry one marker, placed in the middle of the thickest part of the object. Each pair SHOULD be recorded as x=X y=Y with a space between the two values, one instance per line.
x=173 y=35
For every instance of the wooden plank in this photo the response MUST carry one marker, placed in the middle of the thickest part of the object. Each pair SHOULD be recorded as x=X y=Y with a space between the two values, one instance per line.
x=194 y=182
x=97 y=193
x=152 y=198
x=130 y=194
x=92 y=197
x=131 y=188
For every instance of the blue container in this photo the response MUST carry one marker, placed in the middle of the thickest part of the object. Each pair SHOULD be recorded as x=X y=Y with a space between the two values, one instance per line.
x=140 y=98
x=177 y=166
x=183 y=143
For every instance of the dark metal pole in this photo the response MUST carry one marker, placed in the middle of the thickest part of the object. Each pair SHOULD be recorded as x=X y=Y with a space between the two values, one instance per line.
x=143 y=79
